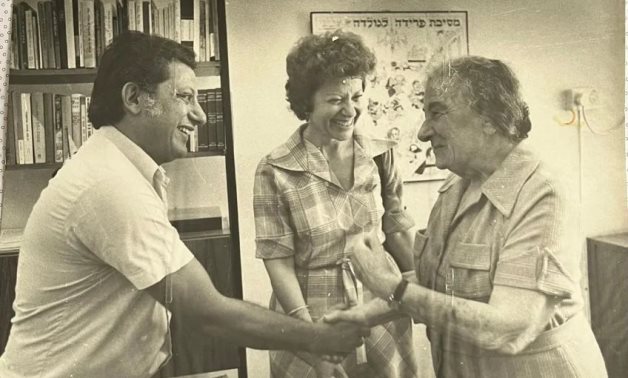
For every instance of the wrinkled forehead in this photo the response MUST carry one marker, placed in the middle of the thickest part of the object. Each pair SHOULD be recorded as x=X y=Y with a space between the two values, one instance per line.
x=446 y=86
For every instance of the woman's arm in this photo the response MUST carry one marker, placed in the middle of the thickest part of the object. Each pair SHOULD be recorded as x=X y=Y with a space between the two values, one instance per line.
x=399 y=245
x=283 y=279
x=512 y=319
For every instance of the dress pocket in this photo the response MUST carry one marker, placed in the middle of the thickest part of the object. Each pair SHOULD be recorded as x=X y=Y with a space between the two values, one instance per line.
x=469 y=276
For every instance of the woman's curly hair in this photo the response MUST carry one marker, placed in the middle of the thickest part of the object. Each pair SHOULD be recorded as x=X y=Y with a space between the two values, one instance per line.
x=491 y=89
x=318 y=58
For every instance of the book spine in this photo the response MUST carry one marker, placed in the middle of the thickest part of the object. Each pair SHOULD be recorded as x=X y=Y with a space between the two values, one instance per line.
x=22 y=39
x=203 y=130
x=30 y=40
x=27 y=128
x=202 y=25
x=58 y=130
x=83 y=120
x=51 y=8
x=75 y=136
x=88 y=34
x=215 y=29
x=220 y=126
x=175 y=20
x=68 y=25
x=37 y=36
x=49 y=125
x=108 y=24
x=9 y=140
x=210 y=112
x=90 y=126
x=196 y=34
x=45 y=43
x=66 y=111
x=147 y=17
x=130 y=8
x=38 y=122
x=139 y=16
x=18 y=129
x=63 y=38
x=15 y=40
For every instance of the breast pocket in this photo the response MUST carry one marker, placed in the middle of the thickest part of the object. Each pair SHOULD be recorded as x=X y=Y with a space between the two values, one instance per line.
x=469 y=275
x=311 y=207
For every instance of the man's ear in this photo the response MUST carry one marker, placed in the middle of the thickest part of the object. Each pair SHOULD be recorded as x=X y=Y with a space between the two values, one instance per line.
x=131 y=98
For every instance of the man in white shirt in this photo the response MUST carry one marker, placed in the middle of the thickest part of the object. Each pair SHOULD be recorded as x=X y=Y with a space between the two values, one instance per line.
x=100 y=262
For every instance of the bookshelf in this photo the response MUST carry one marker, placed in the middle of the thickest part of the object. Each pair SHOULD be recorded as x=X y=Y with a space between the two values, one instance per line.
x=216 y=249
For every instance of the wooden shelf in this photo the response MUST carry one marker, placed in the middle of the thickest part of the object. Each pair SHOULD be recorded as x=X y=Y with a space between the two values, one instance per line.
x=86 y=75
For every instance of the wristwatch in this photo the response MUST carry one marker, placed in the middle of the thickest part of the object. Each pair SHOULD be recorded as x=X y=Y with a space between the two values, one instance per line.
x=394 y=299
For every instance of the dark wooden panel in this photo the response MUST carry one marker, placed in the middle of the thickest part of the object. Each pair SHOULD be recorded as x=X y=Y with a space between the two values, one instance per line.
x=8 y=271
x=608 y=289
x=193 y=354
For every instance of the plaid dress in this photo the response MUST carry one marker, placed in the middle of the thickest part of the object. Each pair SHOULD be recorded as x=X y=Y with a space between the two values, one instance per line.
x=301 y=210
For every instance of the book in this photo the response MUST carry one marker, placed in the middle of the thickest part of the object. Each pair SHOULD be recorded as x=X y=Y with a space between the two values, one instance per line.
x=27 y=127
x=90 y=126
x=31 y=52
x=203 y=130
x=59 y=150
x=147 y=17
x=65 y=50
x=9 y=139
x=22 y=38
x=78 y=39
x=130 y=9
x=37 y=122
x=196 y=34
x=88 y=33
x=215 y=39
x=69 y=148
x=210 y=112
x=49 y=125
x=15 y=40
x=44 y=36
x=51 y=7
x=220 y=126
x=16 y=101
x=187 y=22
x=75 y=137
x=83 y=105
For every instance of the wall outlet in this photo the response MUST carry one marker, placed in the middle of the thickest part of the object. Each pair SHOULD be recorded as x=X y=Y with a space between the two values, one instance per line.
x=587 y=97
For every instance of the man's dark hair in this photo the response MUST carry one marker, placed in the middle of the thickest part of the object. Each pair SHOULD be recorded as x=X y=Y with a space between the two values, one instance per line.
x=132 y=57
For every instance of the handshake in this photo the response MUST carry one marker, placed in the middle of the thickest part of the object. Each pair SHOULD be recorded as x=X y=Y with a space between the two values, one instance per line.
x=342 y=330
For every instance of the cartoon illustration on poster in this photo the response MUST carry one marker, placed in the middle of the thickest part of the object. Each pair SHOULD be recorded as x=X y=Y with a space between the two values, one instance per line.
x=407 y=45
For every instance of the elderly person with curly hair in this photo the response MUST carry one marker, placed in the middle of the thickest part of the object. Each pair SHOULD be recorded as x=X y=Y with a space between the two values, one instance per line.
x=496 y=270
x=318 y=194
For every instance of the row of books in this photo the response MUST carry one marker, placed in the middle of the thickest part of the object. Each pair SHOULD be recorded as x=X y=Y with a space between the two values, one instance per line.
x=45 y=127
x=55 y=34
x=211 y=135
x=50 y=128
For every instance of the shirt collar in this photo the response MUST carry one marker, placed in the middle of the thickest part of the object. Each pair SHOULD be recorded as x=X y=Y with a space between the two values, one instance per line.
x=299 y=155
x=503 y=187
x=136 y=155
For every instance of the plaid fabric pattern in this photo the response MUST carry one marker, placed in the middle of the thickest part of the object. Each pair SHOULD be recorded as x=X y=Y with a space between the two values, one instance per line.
x=511 y=235
x=301 y=210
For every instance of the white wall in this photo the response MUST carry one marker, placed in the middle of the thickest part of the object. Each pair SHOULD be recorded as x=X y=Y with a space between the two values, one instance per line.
x=552 y=45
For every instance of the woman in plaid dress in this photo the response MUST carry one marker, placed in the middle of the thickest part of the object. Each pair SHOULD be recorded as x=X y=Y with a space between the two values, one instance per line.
x=497 y=269
x=317 y=195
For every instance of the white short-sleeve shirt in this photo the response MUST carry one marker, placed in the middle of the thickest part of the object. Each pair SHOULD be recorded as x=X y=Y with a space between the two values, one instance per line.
x=96 y=237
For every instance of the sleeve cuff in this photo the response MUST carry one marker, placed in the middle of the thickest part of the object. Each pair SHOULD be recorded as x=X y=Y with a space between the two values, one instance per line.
x=274 y=248
x=538 y=269
x=396 y=222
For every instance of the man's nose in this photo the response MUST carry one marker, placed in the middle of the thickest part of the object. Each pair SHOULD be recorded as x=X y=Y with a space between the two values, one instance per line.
x=425 y=132
x=197 y=114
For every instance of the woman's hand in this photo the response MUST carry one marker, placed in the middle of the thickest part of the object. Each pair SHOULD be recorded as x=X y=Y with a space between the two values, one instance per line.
x=373 y=267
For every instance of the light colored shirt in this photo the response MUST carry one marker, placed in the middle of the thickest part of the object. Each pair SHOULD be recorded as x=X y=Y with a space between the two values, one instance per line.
x=511 y=232
x=96 y=237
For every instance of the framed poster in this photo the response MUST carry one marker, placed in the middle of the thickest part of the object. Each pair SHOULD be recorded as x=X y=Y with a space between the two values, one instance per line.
x=407 y=45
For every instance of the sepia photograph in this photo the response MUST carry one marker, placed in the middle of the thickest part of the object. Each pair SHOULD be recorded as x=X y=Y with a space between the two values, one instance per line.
x=333 y=188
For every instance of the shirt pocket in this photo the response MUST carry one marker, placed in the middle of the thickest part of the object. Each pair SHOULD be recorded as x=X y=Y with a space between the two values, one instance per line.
x=469 y=275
